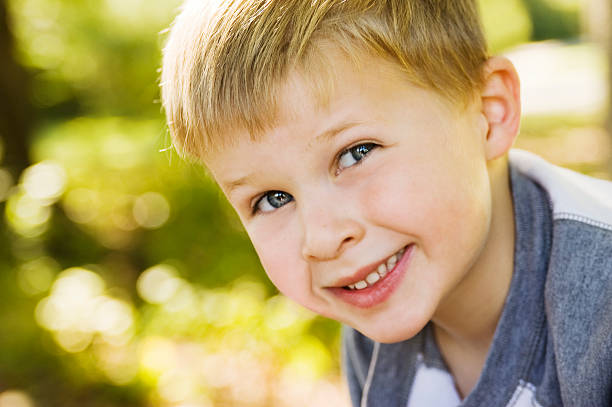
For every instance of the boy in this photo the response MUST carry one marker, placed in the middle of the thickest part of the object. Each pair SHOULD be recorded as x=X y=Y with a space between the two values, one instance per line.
x=364 y=145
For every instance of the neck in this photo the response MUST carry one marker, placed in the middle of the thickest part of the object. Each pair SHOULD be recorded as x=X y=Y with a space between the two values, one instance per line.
x=470 y=315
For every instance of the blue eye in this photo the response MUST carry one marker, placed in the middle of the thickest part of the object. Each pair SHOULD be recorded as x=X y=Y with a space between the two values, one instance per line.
x=271 y=201
x=353 y=155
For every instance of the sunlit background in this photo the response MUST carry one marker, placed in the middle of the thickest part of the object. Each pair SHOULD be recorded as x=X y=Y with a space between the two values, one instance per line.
x=125 y=278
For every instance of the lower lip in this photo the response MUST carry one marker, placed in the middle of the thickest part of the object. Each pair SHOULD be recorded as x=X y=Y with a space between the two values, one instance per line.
x=379 y=292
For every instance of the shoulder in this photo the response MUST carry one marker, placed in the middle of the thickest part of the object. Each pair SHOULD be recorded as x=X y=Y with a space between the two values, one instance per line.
x=580 y=268
x=578 y=292
x=573 y=196
x=582 y=221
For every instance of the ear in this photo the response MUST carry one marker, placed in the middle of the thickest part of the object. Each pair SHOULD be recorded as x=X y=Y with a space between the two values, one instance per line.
x=501 y=106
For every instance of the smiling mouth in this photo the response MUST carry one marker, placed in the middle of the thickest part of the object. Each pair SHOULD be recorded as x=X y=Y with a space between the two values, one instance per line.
x=365 y=290
x=377 y=275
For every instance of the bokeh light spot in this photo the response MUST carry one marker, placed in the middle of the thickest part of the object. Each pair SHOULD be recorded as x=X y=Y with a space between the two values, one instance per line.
x=175 y=387
x=77 y=309
x=158 y=284
x=71 y=303
x=201 y=402
x=119 y=363
x=183 y=299
x=15 y=398
x=73 y=341
x=27 y=216
x=281 y=313
x=151 y=210
x=310 y=359
x=48 y=50
x=157 y=354
x=80 y=205
x=30 y=210
x=78 y=284
x=112 y=317
x=120 y=152
x=35 y=276
x=216 y=307
x=44 y=181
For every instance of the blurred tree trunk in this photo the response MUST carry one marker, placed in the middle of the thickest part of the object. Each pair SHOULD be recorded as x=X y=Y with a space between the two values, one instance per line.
x=597 y=25
x=595 y=19
x=606 y=28
x=609 y=48
x=15 y=112
x=15 y=117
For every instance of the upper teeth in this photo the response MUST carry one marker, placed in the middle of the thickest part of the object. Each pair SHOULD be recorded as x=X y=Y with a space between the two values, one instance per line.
x=380 y=272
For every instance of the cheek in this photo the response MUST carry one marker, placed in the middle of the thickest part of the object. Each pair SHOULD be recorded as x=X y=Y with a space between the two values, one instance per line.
x=280 y=257
x=443 y=210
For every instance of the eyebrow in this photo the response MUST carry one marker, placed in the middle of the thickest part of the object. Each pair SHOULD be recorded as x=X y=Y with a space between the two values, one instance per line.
x=329 y=134
x=232 y=185
x=326 y=136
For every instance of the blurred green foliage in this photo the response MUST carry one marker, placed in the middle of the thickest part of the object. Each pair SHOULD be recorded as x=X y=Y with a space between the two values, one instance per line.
x=92 y=56
x=554 y=19
x=126 y=279
x=506 y=23
x=510 y=22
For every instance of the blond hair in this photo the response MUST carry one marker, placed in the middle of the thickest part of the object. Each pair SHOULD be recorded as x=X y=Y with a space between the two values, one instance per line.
x=225 y=60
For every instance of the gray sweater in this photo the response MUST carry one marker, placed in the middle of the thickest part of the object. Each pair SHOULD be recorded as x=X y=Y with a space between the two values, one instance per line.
x=553 y=343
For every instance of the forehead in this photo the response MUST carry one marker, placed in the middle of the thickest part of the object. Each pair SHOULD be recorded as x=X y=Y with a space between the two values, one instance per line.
x=315 y=78
x=323 y=84
x=316 y=101
x=330 y=81
x=329 y=78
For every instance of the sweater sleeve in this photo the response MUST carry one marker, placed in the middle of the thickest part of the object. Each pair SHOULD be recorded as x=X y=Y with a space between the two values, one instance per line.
x=579 y=310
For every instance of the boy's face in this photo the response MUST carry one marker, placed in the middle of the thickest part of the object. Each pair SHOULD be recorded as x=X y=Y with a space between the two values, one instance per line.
x=385 y=173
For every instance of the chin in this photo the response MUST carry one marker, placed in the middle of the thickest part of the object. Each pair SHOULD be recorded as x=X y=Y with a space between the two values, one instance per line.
x=391 y=334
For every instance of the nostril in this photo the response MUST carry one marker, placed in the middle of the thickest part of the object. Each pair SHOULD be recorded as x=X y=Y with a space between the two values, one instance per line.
x=348 y=240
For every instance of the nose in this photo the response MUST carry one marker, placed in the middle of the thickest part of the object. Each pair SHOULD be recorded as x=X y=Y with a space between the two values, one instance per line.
x=329 y=230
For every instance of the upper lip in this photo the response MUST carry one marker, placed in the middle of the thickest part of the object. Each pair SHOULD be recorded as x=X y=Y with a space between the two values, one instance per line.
x=362 y=273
